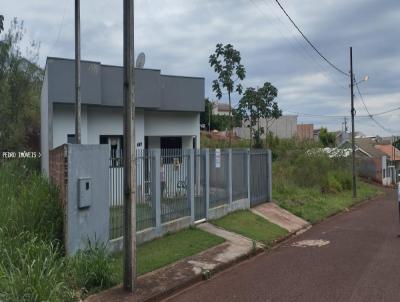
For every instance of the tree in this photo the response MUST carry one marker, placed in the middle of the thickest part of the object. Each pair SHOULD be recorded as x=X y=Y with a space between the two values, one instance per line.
x=256 y=104
x=20 y=84
x=328 y=139
x=226 y=62
x=205 y=117
x=1 y=23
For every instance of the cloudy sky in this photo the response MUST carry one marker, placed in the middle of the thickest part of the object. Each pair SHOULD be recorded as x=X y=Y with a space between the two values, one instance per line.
x=178 y=36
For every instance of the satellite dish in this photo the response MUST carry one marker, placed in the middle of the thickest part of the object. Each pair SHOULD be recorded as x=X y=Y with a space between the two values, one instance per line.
x=140 y=60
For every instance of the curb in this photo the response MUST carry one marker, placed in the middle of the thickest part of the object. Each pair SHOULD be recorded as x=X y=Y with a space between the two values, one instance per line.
x=199 y=278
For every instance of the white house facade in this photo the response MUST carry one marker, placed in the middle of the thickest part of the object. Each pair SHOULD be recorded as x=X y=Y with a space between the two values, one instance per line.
x=167 y=107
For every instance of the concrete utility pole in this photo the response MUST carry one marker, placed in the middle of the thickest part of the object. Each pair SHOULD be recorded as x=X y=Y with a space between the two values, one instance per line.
x=353 y=113
x=129 y=151
x=77 y=72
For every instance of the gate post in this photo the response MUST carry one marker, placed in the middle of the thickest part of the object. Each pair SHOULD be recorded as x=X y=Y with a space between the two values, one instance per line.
x=269 y=175
x=249 y=175
x=156 y=183
x=191 y=185
x=230 y=178
x=207 y=170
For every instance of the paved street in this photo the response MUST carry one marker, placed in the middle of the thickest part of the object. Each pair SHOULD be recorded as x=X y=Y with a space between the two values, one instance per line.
x=360 y=261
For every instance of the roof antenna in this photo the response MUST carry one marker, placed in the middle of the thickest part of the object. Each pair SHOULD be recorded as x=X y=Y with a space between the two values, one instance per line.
x=141 y=59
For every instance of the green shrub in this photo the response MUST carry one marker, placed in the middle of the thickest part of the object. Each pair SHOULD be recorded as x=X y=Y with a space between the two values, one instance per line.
x=331 y=184
x=28 y=202
x=92 y=269
x=31 y=269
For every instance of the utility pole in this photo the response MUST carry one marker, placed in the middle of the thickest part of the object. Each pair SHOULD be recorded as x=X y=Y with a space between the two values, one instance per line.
x=353 y=113
x=129 y=150
x=77 y=72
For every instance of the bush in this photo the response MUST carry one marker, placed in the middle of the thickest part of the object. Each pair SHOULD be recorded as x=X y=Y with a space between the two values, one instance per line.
x=28 y=202
x=92 y=269
x=31 y=270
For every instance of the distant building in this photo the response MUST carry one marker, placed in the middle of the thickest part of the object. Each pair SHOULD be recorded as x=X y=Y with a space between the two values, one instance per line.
x=283 y=127
x=220 y=108
x=372 y=162
x=305 y=131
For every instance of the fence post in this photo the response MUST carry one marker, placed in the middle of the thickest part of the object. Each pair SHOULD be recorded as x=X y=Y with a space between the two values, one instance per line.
x=207 y=185
x=191 y=185
x=269 y=175
x=230 y=178
x=249 y=175
x=156 y=184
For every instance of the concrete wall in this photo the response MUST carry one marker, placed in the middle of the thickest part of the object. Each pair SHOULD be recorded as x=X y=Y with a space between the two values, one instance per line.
x=283 y=127
x=98 y=121
x=92 y=222
x=103 y=85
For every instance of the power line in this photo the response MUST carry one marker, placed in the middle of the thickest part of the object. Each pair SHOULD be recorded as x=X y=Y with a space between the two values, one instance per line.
x=298 y=47
x=309 y=42
x=60 y=27
x=371 y=116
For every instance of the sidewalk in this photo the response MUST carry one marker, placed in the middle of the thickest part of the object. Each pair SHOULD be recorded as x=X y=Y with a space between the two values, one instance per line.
x=163 y=282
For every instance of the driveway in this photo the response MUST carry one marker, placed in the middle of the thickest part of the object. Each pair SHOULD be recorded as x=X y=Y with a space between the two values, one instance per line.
x=353 y=256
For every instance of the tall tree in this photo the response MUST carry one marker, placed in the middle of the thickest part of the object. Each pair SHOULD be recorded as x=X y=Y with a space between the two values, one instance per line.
x=1 y=23
x=257 y=104
x=226 y=62
x=20 y=84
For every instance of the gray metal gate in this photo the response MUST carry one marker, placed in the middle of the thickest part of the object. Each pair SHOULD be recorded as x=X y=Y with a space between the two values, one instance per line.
x=199 y=185
x=260 y=182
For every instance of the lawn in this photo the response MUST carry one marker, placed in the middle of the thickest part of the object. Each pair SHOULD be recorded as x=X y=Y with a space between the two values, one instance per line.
x=314 y=206
x=252 y=226
x=168 y=249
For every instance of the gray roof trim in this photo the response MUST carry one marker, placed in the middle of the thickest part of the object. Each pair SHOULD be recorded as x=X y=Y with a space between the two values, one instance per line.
x=102 y=85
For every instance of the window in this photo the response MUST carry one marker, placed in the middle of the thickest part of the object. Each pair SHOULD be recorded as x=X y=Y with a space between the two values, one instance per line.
x=115 y=142
x=71 y=138
x=171 y=149
x=171 y=142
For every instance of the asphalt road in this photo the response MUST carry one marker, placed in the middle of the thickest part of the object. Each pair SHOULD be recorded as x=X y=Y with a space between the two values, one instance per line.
x=360 y=263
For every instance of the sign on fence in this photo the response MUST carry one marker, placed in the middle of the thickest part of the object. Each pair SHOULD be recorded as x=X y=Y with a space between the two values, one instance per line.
x=217 y=158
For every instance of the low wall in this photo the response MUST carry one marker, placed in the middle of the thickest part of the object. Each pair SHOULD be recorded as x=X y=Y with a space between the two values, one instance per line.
x=149 y=234
x=220 y=211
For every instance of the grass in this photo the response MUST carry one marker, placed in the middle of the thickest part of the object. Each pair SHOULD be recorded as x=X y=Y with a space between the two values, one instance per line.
x=168 y=249
x=252 y=226
x=314 y=206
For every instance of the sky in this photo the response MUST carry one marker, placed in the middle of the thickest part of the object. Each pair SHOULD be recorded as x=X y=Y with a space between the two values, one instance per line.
x=178 y=37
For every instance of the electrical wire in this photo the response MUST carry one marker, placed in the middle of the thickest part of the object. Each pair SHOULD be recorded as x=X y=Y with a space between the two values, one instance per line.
x=371 y=116
x=311 y=44
x=298 y=47
x=60 y=27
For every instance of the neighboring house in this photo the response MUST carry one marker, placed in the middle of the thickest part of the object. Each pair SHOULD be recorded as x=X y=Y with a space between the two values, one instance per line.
x=283 y=127
x=305 y=131
x=220 y=108
x=167 y=107
x=393 y=155
x=371 y=161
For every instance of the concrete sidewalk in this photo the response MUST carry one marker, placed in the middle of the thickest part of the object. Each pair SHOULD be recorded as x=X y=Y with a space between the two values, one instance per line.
x=165 y=281
x=275 y=214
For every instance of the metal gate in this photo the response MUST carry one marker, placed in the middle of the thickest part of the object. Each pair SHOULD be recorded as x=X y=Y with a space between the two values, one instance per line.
x=199 y=185
x=259 y=180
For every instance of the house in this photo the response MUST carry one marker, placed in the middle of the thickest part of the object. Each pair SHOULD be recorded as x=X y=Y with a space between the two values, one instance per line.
x=371 y=161
x=282 y=127
x=305 y=131
x=220 y=108
x=167 y=107
x=393 y=155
